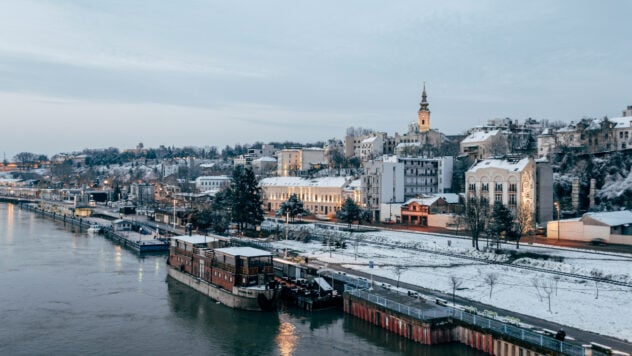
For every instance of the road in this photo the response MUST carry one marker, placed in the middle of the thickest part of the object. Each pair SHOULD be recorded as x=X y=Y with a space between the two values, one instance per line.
x=581 y=336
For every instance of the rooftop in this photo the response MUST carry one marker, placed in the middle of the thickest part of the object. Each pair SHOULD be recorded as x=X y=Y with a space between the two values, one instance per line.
x=612 y=218
x=194 y=239
x=480 y=136
x=243 y=251
x=328 y=182
x=508 y=165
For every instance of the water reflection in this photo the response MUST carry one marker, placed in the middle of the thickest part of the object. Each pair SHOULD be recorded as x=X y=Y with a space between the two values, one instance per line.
x=399 y=344
x=70 y=300
x=229 y=331
x=286 y=338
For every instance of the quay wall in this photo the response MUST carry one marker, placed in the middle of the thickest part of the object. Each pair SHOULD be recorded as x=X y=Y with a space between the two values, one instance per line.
x=437 y=331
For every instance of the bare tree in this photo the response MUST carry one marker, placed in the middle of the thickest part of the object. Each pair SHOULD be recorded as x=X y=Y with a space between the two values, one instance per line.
x=476 y=218
x=491 y=279
x=399 y=270
x=597 y=274
x=548 y=287
x=456 y=283
x=535 y=282
x=523 y=223
x=499 y=145
x=557 y=280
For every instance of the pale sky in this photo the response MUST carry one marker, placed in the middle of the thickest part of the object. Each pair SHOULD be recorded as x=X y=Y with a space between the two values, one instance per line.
x=92 y=74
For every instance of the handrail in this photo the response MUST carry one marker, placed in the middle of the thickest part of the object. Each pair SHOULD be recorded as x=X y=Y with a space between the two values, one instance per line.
x=525 y=335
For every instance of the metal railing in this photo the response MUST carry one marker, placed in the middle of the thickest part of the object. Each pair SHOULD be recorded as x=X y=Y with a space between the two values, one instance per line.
x=515 y=332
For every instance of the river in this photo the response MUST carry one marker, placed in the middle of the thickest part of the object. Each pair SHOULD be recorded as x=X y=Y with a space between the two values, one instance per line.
x=63 y=292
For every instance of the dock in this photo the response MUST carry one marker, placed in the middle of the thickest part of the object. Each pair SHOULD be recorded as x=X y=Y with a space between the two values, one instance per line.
x=132 y=240
x=431 y=321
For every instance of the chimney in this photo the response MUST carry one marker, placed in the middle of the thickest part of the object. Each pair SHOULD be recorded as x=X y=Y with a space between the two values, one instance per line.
x=591 y=193
x=575 y=193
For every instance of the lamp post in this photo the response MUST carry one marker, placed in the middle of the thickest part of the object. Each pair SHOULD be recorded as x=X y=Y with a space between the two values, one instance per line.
x=174 y=215
x=557 y=206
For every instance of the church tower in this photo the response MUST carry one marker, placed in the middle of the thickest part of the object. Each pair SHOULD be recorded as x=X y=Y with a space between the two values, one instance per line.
x=424 y=113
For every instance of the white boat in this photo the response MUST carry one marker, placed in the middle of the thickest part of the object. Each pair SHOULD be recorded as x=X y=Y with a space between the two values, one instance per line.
x=94 y=229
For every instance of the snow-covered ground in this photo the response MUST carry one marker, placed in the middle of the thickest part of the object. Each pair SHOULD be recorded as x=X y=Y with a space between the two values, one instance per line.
x=574 y=301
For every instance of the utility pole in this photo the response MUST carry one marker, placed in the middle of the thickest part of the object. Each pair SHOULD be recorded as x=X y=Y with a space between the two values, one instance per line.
x=557 y=206
x=174 y=215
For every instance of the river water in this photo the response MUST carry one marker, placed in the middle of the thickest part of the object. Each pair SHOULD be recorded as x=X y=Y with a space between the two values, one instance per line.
x=63 y=292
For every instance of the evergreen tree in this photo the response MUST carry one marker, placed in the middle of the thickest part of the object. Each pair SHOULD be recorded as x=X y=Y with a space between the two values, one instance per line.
x=349 y=212
x=245 y=198
x=292 y=207
x=500 y=223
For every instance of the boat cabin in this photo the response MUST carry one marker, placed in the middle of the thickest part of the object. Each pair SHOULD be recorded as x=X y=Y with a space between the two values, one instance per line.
x=209 y=259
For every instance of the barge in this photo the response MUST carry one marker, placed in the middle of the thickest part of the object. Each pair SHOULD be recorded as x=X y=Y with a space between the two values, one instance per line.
x=239 y=277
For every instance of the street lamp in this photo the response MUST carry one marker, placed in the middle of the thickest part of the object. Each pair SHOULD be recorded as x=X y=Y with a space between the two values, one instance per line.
x=174 y=215
x=557 y=206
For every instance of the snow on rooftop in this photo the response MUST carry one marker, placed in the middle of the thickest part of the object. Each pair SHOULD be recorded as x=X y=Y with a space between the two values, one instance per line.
x=369 y=139
x=612 y=218
x=212 y=177
x=408 y=144
x=622 y=122
x=480 y=136
x=423 y=201
x=243 y=251
x=194 y=239
x=450 y=198
x=512 y=166
x=265 y=159
x=326 y=182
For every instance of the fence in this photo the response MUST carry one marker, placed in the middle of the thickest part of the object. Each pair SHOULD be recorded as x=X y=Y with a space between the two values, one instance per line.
x=518 y=333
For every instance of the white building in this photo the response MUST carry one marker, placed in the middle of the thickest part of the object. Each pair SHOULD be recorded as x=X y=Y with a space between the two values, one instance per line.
x=264 y=165
x=319 y=195
x=484 y=142
x=371 y=147
x=295 y=161
x=612 y=227
x=511 y=182
x=393 y=179
x=211 y=183
x=546 y=143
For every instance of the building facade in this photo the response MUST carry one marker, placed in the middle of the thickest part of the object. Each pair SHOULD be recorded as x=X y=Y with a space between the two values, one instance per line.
x=296 y=161
x=510 y=182
x=321 y=196
x=393 y=179
x=211 y=183
x=141 y=193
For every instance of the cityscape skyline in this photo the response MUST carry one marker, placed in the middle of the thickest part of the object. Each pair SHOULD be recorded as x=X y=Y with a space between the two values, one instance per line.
x=76 y=75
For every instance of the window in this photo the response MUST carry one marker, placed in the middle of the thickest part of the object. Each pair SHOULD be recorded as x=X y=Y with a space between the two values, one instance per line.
x=499 y=187
x=512 y=199
x=485 y=187
x=472 y=186
x=498 y=198
x=513 y=187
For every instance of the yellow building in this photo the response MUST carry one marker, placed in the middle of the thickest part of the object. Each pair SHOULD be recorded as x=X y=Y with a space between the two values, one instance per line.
x=322 y=196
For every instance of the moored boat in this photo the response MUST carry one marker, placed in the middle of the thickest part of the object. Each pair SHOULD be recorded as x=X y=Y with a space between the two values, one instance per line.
x=94 y=229
x=239 y=277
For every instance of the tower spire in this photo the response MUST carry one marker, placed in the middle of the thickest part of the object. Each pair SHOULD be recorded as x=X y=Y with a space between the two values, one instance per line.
x=424 y=100
x=423 y=116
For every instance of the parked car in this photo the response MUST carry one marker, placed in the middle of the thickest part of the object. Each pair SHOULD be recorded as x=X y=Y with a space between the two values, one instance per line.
x=598 y=241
